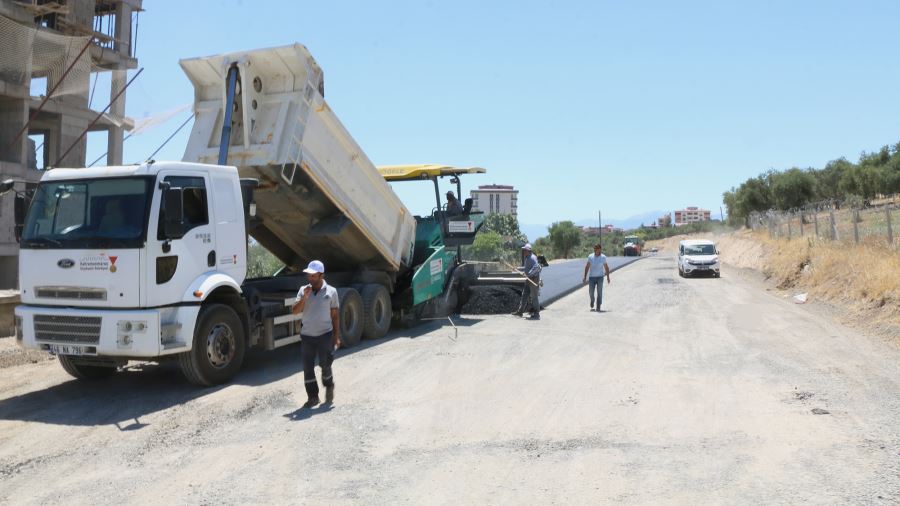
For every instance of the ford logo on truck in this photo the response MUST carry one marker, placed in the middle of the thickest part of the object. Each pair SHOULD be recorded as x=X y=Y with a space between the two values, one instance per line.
x=65 y=263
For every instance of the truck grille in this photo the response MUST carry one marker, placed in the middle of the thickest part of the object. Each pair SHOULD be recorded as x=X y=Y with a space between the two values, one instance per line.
x=67 y=329
x=70 y=292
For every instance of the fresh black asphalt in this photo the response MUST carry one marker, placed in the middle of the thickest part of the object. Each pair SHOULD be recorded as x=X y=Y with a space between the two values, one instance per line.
x=563 y=278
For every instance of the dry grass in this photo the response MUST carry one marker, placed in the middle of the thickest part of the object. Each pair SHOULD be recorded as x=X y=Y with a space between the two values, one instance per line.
x=863 y=280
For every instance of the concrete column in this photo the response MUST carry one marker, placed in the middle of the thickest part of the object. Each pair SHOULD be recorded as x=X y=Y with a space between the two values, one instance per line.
x=119 y=78
x=13 y=116
x=70 y=128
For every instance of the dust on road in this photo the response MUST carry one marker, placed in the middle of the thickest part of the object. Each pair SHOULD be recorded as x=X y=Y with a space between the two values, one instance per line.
x=682 y=391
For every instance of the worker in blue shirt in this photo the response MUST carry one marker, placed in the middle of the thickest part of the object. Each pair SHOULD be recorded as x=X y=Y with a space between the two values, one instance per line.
x=532 y=270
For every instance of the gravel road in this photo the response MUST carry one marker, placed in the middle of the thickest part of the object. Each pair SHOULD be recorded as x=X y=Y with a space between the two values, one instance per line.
x=698 y=391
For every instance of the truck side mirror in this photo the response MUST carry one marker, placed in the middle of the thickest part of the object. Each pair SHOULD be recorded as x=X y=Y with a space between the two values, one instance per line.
x=173 y=213
x=7 y=186
x=20 y=209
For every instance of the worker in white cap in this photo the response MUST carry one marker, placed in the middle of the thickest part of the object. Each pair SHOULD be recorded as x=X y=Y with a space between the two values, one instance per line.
x=532 y=270
x=320 y=332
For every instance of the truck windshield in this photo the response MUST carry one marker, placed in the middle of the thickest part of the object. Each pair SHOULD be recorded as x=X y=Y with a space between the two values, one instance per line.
x=88 y=214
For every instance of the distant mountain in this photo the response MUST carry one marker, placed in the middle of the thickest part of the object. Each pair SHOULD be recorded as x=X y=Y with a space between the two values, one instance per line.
x=534 y=231
x=635 y=221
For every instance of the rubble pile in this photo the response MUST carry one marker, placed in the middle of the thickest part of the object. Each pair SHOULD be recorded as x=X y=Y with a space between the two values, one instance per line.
x=492 y=300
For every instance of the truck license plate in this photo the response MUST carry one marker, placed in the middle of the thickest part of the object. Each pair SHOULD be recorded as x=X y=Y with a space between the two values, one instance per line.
x=66 y=349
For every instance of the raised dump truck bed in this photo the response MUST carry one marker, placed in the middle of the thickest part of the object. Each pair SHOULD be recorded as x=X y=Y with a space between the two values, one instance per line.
x=319 y=195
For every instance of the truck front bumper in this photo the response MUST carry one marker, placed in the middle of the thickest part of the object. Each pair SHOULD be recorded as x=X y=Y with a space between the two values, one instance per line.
x=98 y=332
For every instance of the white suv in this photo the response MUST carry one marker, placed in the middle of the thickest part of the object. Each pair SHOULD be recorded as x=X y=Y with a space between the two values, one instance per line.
x=697 y=257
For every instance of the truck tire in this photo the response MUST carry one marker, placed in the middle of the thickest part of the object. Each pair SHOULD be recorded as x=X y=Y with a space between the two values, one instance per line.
x=351 y=316
x=83 y=371
x=376 y=311
x=219 y=346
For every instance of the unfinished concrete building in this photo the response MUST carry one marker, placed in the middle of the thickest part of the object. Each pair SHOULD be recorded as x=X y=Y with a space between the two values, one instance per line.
x=52 y=53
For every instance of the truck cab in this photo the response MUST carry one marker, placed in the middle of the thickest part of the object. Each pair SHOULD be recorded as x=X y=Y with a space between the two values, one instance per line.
x=633 y=246
x=117 y=262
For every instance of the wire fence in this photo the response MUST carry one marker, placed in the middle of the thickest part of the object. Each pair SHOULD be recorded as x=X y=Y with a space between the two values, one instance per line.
x=872 y=222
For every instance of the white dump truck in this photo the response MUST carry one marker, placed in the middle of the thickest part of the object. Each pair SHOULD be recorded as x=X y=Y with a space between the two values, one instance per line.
x=149 y=261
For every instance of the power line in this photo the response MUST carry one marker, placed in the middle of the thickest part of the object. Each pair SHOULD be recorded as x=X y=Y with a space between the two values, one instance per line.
x=91 y=124
x=171 y=136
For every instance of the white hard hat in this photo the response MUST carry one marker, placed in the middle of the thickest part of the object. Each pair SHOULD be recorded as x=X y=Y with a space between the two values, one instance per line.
x=527 y=246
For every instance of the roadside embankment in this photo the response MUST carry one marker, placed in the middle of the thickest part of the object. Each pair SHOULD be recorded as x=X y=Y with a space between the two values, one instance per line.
x=861 y=280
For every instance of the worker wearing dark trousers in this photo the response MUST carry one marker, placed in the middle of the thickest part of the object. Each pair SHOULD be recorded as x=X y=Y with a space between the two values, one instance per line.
x=532 y=270
x=320 y=332
x=594 y=269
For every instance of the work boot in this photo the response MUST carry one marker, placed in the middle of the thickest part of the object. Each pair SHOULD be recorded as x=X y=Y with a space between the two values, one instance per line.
x=329 y=394
x=312 y=401
x=535 y=316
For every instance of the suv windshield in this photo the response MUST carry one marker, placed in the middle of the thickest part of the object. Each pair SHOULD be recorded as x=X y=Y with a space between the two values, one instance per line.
x=86 y=214
x=700 y=249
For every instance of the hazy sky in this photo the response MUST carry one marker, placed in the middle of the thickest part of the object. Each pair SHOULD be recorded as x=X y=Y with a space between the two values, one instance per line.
x=624 y=106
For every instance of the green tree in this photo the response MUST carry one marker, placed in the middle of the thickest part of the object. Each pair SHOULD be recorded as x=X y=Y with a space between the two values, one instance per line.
x=792 y=188
x=565 y=237
x=488 y=246
x=504 y=224
x=543 y=246
x=828 y=179
x=260 y=262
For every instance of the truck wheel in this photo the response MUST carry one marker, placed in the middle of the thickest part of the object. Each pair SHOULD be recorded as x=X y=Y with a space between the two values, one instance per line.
x=83 y=371
x=218 y=350
x=377 y=311
x=351 y=316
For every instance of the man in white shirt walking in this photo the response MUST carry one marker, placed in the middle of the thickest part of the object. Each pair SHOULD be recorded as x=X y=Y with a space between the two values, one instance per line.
x=320 y=333
x=593 y=273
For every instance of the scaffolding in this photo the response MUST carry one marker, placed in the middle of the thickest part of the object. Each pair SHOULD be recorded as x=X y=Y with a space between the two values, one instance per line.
x=49 y=51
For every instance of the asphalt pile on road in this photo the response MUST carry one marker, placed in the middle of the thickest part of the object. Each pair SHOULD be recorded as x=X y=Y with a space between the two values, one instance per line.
x=492 y=300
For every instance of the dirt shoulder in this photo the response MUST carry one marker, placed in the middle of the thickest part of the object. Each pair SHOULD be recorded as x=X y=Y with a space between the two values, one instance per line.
x=12 y=355
x=859 y=284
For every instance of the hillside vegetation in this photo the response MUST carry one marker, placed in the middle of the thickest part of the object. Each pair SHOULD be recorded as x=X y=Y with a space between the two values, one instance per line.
x=840 y=182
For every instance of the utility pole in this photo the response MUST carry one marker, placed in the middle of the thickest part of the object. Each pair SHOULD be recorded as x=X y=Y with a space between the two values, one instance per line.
x=600 y=227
